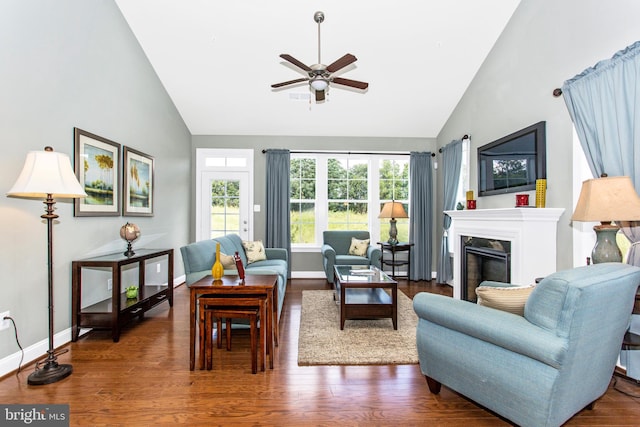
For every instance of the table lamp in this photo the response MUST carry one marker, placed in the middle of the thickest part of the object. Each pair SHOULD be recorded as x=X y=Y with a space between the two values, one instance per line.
x=607 y=199
x=47 y=174
x=393 y=210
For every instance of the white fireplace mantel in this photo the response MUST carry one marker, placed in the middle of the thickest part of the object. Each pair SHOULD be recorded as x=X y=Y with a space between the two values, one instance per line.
x=531 y=231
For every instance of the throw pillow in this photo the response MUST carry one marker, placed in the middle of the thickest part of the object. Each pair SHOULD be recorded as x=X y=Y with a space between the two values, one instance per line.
x=511 y=299
x=228 y=263
x=358 y=247
x=254 y=251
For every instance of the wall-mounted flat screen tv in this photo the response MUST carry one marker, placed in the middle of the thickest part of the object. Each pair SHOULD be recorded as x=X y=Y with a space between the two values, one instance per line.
x=513 y=163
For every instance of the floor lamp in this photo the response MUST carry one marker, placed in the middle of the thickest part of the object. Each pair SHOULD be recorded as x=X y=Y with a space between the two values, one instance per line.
x=47 y=174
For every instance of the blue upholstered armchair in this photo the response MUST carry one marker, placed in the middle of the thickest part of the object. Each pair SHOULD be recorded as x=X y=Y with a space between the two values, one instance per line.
x=335 y=251
x=538 y=369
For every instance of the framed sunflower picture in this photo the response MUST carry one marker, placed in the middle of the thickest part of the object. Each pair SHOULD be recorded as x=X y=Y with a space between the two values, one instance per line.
x=137 y=183
x=97 y=167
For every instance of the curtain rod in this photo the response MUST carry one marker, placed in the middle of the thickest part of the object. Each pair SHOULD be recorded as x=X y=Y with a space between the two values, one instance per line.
x=395 y=153
x=465 y=136
x=557 y=92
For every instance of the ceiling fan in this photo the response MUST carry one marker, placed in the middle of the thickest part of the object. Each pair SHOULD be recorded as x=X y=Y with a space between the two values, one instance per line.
x=320 y=75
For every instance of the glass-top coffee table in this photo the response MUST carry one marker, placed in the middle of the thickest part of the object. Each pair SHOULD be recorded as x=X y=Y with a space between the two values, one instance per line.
x=362 y=293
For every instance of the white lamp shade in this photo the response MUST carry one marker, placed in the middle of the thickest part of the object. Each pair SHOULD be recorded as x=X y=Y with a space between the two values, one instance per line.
x=44 y=173
x=319 y=84
x=605 y=199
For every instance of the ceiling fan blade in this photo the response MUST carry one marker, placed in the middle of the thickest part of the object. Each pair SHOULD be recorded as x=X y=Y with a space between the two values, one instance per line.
x=319 y=95
x=350 y=83
x=295 y=62
x=290 y=82
x=341 y=63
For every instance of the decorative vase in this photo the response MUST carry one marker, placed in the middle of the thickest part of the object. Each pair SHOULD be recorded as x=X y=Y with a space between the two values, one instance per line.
x=541 y=193
x=132 y=292
x=217 y=271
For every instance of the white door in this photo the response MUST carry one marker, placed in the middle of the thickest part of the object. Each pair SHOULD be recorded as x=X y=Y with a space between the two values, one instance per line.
x=224 y=205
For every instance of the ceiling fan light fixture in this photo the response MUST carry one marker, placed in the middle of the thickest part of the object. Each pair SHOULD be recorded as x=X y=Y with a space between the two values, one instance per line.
x=319 y=83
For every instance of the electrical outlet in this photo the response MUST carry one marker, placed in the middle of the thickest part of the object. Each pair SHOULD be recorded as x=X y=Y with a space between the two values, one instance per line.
x=4 y=324
x=109 y=284
x=158 y=268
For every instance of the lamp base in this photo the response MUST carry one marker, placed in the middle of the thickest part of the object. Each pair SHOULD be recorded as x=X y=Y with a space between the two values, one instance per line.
x=606 y=248
x=129 y=252
x=393 y=232
x=50 y=373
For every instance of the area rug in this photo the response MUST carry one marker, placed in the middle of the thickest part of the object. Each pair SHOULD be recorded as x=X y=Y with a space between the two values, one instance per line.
x=362 y=342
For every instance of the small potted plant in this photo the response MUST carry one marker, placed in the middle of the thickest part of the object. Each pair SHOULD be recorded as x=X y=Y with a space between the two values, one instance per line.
x=132 y=292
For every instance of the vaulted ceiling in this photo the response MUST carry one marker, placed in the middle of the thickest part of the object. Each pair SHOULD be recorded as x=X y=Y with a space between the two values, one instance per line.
x=218 y=59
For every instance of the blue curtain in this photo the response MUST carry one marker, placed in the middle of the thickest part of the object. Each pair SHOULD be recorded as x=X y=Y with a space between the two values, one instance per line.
x=604 y=104
x=278 y=220
x=420 y=215
x=451 y=164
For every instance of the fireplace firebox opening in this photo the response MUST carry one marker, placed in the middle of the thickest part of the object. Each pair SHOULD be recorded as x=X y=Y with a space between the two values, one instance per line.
x=483 y=259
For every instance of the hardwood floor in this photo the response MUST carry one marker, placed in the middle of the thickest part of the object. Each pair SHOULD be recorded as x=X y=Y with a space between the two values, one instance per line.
x=145 y=380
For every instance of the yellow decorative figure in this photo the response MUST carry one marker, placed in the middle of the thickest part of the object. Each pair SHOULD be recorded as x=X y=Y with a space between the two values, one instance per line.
x=541 y=193
x=217 y=271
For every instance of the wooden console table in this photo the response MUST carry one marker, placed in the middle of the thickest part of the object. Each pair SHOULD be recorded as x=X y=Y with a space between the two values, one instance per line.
x=115 y=311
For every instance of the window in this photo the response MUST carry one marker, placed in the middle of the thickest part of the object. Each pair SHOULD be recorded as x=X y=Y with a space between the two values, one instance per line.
x=345 y=192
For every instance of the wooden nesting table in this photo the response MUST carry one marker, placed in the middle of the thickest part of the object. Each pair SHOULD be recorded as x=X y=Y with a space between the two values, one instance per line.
x=230 y=287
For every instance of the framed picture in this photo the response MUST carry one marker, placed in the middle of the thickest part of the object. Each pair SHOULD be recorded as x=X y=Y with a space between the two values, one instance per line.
x=137 y=183
x=97 y=167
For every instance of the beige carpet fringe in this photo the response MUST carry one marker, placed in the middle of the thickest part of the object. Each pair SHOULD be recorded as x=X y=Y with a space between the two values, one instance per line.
x=362 y=342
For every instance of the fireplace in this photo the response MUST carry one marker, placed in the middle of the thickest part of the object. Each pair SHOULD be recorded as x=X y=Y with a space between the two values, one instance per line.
x=531 y=234
x=483 y=259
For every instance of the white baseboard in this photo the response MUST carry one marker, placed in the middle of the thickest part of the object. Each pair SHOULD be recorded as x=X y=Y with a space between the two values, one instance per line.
x=308 y=275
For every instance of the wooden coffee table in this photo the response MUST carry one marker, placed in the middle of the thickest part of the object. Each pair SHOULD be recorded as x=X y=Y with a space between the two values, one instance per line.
x=362 y=294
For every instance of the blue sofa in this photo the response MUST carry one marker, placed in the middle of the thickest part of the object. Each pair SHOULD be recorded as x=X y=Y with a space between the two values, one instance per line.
x=198 y=258
x=538 y=369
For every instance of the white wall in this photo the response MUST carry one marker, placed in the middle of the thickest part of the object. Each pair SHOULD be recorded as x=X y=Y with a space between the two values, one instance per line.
x=69 y=63
x=545 y=43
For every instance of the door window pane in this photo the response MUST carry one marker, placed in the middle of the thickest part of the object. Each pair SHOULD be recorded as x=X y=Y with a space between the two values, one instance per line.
x=225 y=207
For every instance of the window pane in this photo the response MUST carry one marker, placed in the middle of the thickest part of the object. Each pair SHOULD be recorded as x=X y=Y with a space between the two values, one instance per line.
x=358 y=190
x=336 y=169
x=214 y=161
x=337 y=189
x=308 y=168
x=236 y=162
x=308 y=189
x=303 y=223
x=295 y=189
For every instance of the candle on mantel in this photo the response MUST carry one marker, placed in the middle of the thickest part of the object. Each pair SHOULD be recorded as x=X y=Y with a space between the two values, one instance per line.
x=470 y=195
